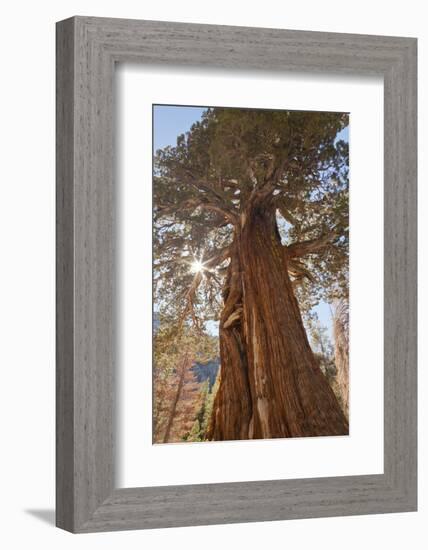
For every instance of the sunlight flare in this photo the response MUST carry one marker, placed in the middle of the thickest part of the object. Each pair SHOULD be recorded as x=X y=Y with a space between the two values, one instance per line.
x=196 y=266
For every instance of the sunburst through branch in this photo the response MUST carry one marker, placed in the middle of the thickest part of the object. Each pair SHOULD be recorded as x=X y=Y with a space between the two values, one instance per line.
x=197 y=266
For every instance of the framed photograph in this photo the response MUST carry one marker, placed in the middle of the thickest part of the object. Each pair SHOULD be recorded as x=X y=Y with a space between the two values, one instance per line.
x=236 y=274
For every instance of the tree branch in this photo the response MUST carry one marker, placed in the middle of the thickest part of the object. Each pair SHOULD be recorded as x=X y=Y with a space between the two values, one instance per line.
x=199 y=184
x=299 y=249
x=192 y=204
x=298 y=271
x=219 y=258
x=189 y=301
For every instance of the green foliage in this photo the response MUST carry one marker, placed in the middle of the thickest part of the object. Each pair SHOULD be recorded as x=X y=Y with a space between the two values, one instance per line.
x=197 y=433
x=203 y=416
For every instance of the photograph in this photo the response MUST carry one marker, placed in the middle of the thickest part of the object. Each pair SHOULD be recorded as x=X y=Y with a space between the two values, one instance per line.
x=250 y=273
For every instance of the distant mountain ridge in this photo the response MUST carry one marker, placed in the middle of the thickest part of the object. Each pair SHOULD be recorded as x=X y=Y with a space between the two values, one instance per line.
x=207 y=371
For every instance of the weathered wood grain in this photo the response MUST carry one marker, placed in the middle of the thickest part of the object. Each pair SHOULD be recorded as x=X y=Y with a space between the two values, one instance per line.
x=87 y=49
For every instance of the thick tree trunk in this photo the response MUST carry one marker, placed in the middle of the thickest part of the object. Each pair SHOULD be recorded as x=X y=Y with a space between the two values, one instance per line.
x=232 y=408
x=271 y=385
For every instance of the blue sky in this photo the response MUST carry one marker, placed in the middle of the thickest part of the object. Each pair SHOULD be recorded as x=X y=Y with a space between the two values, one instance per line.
x=344 y=134
x=169 y=121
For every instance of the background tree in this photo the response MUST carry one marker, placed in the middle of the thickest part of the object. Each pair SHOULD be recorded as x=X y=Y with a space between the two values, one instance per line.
x=199 y=428
x=250 y=208
x=333 y=360
x=177 y=392
x=341 y=349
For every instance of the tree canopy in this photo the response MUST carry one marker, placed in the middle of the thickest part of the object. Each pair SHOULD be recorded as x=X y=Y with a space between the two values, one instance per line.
x=228 y=162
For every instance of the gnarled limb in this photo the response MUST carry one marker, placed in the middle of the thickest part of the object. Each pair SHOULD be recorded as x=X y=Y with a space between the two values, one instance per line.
x=192 y=204
x=300 y=249
x=221 y=200
x=189 y=297
x=218 y=258
x=298 y=271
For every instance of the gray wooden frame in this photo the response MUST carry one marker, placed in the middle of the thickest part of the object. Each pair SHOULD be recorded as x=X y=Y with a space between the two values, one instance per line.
x=87 y=50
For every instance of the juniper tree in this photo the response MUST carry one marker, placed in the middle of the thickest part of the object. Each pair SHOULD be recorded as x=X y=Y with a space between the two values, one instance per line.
x=250 y=211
